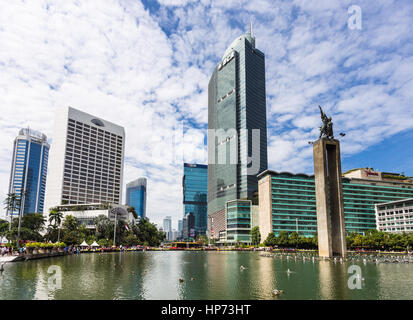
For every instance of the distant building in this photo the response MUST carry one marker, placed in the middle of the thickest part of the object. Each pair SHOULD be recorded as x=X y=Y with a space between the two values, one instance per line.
x=167 y=227
x=86 y=213
x=287 y=201
x=86 y=160
x=174 y=235
x=136 y=196
x=395 y=216
x=29 y=171
x=180 y=228
x=189 y=227
x=195 y=195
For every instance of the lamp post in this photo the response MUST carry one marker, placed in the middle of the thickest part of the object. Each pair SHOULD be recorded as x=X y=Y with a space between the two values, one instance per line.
x=296 y=224
x=20 y=218
x=114 y=230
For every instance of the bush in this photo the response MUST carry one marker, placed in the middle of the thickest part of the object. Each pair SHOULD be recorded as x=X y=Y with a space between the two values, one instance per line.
x=32 y=245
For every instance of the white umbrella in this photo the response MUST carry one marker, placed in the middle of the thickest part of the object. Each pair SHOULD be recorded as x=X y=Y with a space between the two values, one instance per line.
x=94 y=244
x=84 y=244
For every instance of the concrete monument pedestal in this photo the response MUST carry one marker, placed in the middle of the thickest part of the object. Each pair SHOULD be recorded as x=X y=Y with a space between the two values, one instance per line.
x=329 y=198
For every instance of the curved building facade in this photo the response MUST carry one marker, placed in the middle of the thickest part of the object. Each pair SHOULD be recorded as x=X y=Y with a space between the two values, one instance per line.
x=29 y=170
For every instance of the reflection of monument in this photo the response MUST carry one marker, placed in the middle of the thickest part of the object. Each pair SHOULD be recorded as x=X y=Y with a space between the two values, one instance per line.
x=329 y=196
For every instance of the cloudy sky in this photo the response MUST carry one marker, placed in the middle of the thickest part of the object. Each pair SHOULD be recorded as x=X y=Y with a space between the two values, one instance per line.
x=146 y=64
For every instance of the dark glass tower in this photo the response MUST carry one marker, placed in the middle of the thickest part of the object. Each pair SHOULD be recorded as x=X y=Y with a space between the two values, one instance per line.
x=195 y=189
x=236 y=109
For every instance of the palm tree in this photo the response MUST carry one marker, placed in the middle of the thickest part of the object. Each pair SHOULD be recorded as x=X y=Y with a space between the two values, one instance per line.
x=12 y=203
x=55 y=217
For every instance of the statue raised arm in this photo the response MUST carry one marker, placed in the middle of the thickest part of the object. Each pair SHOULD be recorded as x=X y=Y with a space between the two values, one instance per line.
x=326 y=130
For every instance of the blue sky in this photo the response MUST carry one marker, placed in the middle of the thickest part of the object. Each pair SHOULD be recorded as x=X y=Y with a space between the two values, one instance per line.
x=146 y=66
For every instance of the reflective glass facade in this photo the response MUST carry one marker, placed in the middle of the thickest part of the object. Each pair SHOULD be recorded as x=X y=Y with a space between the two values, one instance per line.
x=136 y=196
x=293 y=197
x=195 y=195
x=238 y=213
x=29 y=170
x=236 y=106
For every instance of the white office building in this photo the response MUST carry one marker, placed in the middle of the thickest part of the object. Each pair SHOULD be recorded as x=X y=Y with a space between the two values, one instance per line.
x=395 y=216
x=167 y=227
x=86 y=160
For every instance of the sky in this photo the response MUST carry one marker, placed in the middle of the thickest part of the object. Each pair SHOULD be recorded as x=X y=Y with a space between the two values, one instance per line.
x=145 y=65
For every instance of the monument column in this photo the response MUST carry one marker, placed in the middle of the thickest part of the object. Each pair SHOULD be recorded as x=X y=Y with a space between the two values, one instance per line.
x=329 y=198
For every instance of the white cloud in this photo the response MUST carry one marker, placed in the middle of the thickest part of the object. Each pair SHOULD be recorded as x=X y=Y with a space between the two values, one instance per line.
x=148 y=70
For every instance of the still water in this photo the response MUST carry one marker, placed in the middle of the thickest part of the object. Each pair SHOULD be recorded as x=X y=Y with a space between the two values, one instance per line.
x=216 y=275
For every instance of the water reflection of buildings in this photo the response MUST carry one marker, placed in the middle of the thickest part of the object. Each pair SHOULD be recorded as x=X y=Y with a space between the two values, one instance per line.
x=265 y=278
x=333 y=280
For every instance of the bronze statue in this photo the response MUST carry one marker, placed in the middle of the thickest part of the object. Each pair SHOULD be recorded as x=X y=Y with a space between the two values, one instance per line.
x=326 y=130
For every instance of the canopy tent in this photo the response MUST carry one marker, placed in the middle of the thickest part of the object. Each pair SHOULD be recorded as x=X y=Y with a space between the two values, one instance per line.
x=84 y=244
x=94 y=244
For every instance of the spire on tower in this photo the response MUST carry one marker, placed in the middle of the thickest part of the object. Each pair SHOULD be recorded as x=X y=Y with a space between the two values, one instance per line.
x=251 y=27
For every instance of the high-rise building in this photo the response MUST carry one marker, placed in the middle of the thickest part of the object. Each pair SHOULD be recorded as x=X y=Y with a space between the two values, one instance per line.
x=195 y=191
x=180 y=228
x=395 y=216
x=136 y=196
x=237 y=133
x=29 y=171
x=167 y=227
x=189 y=227
x=86 y=165
x=287 y=201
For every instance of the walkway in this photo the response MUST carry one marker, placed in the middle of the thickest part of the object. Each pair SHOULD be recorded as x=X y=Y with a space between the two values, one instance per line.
x=8 y=258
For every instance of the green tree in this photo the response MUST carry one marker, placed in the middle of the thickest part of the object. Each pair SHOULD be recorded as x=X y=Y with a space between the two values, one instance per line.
x=32 y=225
x=71 y=232
x=255 y=236
x=271 y=240
x=147 y=232
x=55 y=219
x=12 y=202
x=104 y=227
x=202 y=240
x=293 y=239
x=282 y=239
x=131 y=240
x=4 y=226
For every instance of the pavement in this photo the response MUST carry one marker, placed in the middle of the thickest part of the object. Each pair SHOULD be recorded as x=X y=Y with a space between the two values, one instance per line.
x=7 y=258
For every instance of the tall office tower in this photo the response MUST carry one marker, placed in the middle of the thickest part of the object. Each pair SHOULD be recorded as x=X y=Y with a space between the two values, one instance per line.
x=189 y=227
x=167 y=227
x=195 y=189
x=86 y=160
x=29 y=171
x=180 y=228
x=237 y=120
x=136 y=196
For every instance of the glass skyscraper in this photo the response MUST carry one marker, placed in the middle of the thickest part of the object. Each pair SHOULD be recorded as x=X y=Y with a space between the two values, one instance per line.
x=29 y=170
x=237 y=127
x=136 y=196
x=195 y=189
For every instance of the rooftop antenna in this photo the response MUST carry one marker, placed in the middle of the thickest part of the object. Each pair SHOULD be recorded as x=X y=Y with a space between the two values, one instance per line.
x=251 y=27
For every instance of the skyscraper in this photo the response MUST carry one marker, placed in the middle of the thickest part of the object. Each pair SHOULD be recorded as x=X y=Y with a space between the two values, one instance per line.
x=237 y=135
x=180 y=228
x=86 y=163
x=167 y=227
x=195 y=191
x=136 y=196
x=29 y=170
